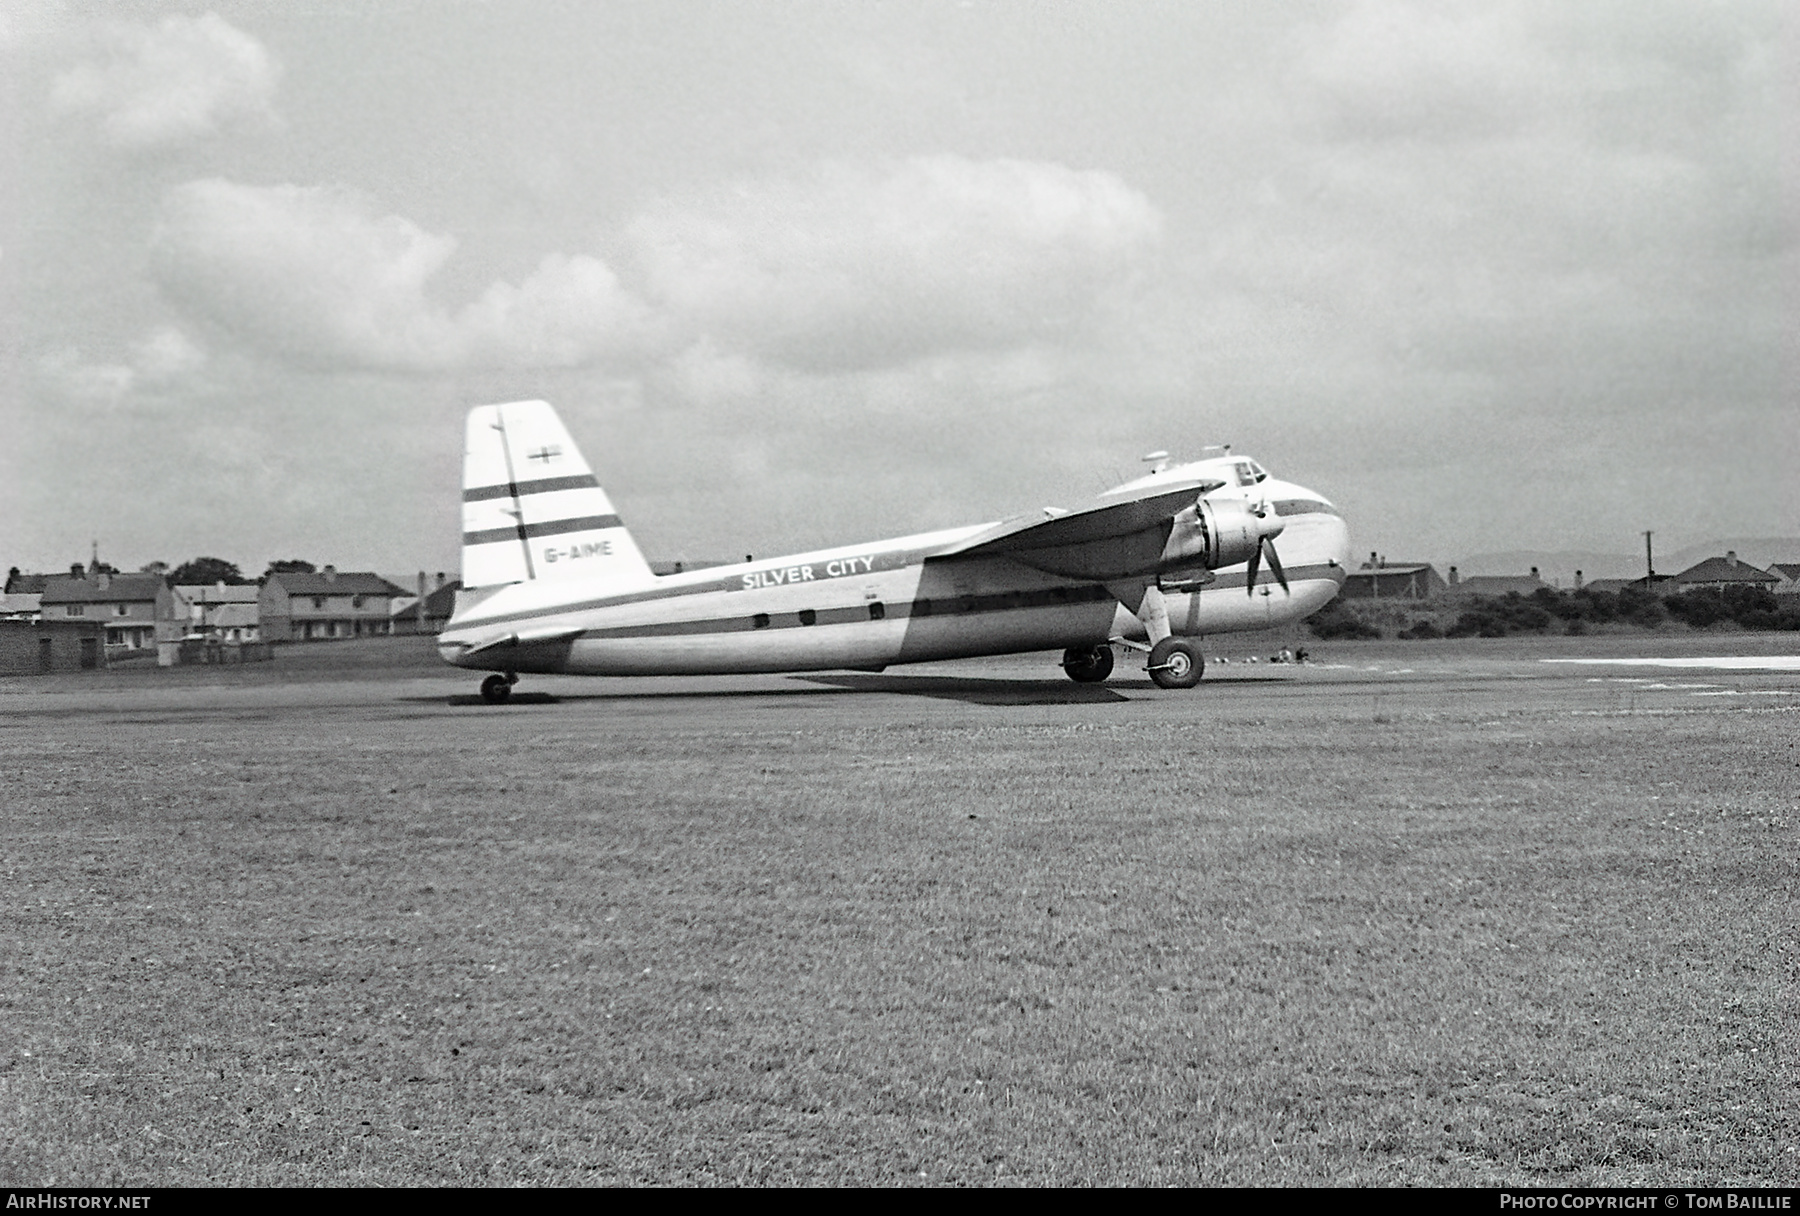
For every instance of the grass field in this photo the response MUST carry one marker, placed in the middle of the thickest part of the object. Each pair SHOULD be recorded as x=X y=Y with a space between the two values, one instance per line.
x=1470 y=931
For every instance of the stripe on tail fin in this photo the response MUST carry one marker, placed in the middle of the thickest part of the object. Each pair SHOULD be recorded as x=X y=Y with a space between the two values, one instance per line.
x=533 y=510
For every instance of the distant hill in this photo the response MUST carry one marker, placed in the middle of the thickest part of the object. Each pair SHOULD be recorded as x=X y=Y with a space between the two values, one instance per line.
x=1559 y=567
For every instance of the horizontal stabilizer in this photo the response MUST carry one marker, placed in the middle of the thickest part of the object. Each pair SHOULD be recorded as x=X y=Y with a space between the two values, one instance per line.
x=509 y=640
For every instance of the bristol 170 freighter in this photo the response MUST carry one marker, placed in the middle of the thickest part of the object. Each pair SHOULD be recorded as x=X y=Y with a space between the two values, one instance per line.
x=554 y=583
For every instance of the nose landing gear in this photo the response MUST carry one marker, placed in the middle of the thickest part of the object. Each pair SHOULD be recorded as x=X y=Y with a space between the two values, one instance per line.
x=497 y=688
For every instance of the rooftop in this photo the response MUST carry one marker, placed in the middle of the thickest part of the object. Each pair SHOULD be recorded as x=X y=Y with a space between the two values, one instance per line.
x=102 y=588
x=1727 y=569
x=355 y=582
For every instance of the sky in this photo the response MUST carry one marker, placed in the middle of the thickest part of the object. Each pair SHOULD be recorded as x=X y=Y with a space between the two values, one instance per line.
x=1490 y=276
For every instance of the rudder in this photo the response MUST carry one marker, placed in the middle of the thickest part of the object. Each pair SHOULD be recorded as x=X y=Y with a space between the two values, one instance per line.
x=532 y=508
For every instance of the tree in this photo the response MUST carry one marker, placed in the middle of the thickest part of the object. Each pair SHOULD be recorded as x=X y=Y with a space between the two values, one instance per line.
x=154 y=568
x=204 y=570
x=289 y=565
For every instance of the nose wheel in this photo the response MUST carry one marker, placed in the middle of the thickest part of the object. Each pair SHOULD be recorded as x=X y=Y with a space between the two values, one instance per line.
x=497 y=688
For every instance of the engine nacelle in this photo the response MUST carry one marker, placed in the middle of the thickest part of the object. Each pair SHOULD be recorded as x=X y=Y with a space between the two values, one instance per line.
x=1219 y=532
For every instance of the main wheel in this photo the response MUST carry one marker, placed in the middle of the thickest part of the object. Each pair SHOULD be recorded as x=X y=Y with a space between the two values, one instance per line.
x=1174 y=663
x=1088 y=664
x=496 y=689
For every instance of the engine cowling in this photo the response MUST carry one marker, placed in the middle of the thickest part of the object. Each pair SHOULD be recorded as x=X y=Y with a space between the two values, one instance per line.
x=1217 y=533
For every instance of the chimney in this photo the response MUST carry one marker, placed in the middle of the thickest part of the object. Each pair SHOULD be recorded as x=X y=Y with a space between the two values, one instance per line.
x=1534 y=575
x=440 y=579
x=330 y=573
x=1455 y=578
x=1731 y=558
x=1578 y=580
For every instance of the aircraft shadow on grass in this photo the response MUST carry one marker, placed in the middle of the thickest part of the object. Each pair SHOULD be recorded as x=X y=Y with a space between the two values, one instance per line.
x=967 y=689
x=948 y=688
x=975 y=691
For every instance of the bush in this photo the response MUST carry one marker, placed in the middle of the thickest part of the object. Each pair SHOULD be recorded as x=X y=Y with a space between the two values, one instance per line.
x=1337 y=620
x=1421 y=628
x=1697 y=609
x=1781 y=618
x=1751 y=607
x=1510 y=613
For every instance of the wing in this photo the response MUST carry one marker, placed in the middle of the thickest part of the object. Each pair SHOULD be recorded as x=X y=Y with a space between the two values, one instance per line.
x=1106 y=541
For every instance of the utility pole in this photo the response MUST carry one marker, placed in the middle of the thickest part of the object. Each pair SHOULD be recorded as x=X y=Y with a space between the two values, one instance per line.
x=1649 y=565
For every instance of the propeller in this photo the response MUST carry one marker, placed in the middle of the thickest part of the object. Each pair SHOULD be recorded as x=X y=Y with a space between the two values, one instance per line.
x=1265 y=544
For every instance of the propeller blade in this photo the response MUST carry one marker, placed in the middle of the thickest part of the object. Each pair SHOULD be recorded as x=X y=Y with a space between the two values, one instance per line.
x=1275 y=564
x=1255 y=564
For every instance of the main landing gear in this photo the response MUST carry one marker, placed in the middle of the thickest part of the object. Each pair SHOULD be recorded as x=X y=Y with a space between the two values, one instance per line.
x=497 y=688
x=1088 y=664
x=1174 y=663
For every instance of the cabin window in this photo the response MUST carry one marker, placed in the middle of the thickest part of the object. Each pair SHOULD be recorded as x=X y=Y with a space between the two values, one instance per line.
x=760 y=621
x=121 y=610
x=921 y=608
x=808 y=616
x=318 y=601
x=877 y=611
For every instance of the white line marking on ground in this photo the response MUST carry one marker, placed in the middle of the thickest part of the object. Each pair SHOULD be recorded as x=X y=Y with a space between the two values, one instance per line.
x=1773 y=662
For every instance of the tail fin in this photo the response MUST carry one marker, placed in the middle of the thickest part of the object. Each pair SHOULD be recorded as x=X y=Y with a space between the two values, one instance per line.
x=533 y=510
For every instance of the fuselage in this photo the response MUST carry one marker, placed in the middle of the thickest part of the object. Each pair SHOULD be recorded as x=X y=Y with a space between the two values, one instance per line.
x=887 y=602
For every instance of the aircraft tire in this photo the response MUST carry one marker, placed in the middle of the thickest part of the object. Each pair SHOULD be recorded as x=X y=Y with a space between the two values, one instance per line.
x=496 y=689
x=1088 y=664
x=1175 y=663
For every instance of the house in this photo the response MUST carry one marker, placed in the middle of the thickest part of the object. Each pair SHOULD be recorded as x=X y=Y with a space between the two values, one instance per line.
x=18 y=583
x=1497 y=584
x=1380 y=579
x=299 y=607
x=1655 y=584
x=1723 y=573
x=1789 y=574
x=428 y=613
x=34 y=648
x=221 y=612
x=20 y=606
x=136 y=610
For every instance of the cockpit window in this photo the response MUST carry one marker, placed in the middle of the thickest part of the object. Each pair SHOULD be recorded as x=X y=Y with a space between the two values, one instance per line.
x=1249 y=473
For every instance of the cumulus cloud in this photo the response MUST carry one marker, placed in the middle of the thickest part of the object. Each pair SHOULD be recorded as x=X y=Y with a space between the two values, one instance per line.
x=181 y=80
x=318 y=276
x=867 y=265
x=847 y=267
